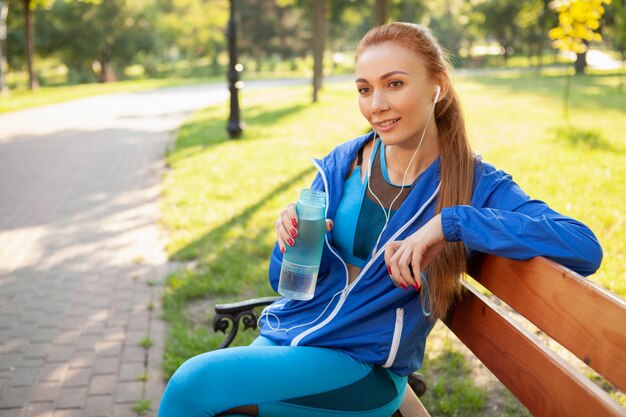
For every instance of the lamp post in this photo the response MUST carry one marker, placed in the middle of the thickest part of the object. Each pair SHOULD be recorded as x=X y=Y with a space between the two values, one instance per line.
x=234 y=122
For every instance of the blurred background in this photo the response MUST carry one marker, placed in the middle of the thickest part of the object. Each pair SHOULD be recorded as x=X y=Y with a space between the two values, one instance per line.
x=82 y=41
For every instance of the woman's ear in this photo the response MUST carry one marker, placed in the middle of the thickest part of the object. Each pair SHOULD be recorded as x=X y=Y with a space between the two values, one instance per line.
x=443 y=83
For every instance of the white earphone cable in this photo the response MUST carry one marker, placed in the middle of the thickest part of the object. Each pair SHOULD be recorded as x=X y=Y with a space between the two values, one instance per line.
x=369 y=172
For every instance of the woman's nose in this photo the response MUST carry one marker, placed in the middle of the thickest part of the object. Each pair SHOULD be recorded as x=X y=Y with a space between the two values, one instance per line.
x=379 y=102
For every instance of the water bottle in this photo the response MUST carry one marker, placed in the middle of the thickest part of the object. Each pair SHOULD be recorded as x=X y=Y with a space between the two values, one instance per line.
x=301 y=262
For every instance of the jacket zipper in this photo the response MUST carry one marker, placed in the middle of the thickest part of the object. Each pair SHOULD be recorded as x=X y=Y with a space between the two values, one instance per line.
x=348 y=288
x=395 y=341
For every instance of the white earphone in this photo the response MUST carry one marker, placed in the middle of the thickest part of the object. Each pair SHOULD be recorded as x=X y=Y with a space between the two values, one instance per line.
x=437 y=93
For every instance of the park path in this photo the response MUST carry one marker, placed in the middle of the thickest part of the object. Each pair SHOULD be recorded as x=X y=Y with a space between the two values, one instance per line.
x=81 y=251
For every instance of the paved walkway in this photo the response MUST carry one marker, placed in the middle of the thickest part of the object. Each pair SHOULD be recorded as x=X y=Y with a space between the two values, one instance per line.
x=81 y=255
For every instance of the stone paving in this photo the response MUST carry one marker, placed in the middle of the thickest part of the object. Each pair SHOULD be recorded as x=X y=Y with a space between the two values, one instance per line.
x=81 y=253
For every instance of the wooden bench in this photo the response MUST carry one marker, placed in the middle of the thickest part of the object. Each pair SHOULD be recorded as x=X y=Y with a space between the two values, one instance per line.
x=586 y=320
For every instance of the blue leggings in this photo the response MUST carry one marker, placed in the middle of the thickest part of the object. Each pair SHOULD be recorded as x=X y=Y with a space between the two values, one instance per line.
x=268 y=380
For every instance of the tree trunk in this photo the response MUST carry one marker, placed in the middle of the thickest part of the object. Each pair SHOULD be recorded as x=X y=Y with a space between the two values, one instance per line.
x=581 y=63
x=319 y=39
x=581 y=60
x=4 y=10
x=30 y=44
x=381 y=12
x=108 y=73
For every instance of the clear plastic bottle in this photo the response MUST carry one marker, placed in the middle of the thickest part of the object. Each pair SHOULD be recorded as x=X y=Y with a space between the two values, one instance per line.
x=301 y=262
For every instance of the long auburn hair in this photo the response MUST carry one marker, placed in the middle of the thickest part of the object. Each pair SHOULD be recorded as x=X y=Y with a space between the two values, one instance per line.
x=455 y=154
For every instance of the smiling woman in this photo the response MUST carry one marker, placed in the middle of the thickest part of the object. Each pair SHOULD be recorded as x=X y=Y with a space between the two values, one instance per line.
x=406 y=204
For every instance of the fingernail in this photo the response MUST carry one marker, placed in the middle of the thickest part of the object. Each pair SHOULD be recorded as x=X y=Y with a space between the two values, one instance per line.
x=404 y=287
x=294 y=222
x=282 y=250
x=416 y=287
x=294 y=233
x=290 y=241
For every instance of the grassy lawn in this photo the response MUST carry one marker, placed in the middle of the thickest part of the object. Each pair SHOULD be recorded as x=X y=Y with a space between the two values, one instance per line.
x=24 y=98
x=221 y=197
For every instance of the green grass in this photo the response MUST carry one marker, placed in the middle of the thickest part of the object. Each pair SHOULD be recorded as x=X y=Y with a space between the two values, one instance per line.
x=450 y=390
x=23 y=98
x=577 y=168
x=146 y=343
x=221 y=196
x=141 y=407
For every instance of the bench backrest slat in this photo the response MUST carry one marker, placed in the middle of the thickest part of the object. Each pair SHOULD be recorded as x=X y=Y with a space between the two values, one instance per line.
x=586 y=320
x=539 y=378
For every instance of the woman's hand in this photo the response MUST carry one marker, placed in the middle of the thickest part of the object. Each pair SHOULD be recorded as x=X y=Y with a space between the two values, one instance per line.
x=405 y=259
x=286 y=227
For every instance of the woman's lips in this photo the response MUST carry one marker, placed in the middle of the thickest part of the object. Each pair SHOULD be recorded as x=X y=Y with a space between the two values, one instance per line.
x=386 y=125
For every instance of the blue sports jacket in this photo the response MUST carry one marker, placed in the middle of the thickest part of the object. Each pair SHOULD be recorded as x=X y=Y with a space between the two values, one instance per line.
x=375 y=322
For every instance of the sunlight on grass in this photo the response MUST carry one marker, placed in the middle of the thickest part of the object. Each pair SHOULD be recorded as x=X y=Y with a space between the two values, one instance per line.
x=518 y=125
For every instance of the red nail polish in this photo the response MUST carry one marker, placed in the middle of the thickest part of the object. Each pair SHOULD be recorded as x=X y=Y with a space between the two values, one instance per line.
x=294 y=222
x=389 y=269
x=290 y=241
x=282 y=250
x=416 y=287
x=404 y=287
x=294 y=233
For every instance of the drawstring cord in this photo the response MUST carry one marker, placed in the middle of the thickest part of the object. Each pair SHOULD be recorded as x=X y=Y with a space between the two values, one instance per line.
x=424 y=295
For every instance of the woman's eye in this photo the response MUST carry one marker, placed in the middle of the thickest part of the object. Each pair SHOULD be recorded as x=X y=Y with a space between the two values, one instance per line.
x=395 y=83
x=363 y=90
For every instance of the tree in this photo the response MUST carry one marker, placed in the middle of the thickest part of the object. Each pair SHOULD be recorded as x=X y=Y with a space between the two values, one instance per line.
x=448 y=20
x=413 y=10
x=119 y=30
x=319 y=40
x=614 y=26
x=534 y=20
x=192 y=29
x=381 y=12
x=578 y=21
x=29 y=7
x=4 y=10
x=281 y=28
x=499 y=22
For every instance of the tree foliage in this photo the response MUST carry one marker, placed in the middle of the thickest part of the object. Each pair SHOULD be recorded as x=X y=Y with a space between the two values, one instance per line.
x=579 y=21
x=496 y=13
x=96 y=36
x=118 y=31
x=192 y=29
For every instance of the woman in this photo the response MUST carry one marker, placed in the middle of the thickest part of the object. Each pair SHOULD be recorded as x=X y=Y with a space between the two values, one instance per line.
x=406 y=205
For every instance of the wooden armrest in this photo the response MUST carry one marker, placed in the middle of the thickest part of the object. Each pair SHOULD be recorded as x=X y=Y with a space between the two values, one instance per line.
x=231 y=314
x=417 y=382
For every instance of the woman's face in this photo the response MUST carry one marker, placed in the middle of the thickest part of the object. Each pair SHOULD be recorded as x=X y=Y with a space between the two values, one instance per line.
x=395 y=93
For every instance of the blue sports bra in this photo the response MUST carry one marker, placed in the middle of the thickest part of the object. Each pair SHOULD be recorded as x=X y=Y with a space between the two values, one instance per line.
x=360 y=218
